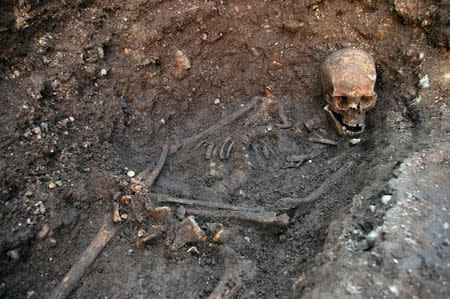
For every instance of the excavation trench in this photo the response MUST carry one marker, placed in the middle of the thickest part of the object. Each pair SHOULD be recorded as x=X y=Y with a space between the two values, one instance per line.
x=199 y=129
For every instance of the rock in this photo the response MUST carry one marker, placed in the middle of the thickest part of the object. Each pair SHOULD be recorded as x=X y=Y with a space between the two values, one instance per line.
x=188 y=232
x=292 y=25
x=373 y=237
x=355 y=141
x=217 y=101
x=163 y=214
x=13 y=254
x=385 y=199
x=181 y=212
x=409 y=10
x=43 y=232
x=141 y=233
x=136 y=188
x=103 y=72
x=51 y=185
x=131 y=173
x=425 y=81
x=182 y=61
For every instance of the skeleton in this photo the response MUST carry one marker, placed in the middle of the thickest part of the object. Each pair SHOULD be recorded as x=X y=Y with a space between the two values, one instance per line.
x=348 y=80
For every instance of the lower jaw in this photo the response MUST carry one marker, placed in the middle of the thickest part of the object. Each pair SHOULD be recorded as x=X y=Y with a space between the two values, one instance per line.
x=341 y=128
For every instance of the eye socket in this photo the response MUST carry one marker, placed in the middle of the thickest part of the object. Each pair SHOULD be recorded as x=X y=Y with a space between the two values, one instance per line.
x=341 y=102
x=367 y=101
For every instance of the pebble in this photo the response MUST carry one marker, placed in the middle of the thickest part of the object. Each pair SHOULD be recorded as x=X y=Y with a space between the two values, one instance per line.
x=181 y=212
x=13 y=254
x=445 y=226
x=43 y=232
x=372 y=208
x=182 y=61
x=373 y=236
x=103 y=72
x=425 y=81
x=51 y=185
x=355 y=141
x=385 y=199
x=394 y=290
x=131 y=173
x=217 y=101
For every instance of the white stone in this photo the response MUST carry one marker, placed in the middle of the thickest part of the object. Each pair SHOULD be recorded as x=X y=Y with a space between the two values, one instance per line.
x=385 y=199
x=217 y=101
x=425 y=81
x=131 y=173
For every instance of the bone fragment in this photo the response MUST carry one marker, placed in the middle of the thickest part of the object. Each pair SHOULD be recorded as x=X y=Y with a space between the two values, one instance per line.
x=222 y=154
x=301 y=204
x=116 y=215
x=266 y=218
x=71 y=279
x=163 y=198
x=209 y=151
x=222 y=123
x=300 y=159
x=149 y=179
x=322 y=140
x=187 y=232
x=104 y=235
x=237 y=270
x=285 y=124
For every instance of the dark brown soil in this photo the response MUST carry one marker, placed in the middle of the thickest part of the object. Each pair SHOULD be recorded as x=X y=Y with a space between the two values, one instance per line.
x=91 y=89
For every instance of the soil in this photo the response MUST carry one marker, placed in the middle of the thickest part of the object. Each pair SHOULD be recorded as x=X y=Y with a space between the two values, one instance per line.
x=91 y=90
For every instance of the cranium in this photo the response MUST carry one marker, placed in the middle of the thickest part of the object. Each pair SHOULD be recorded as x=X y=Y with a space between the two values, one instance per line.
x=348 y=80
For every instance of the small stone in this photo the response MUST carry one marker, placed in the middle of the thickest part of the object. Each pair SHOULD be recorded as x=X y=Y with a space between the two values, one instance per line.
x=101 y=52
x=13 y=254
x=188 y=232
x=136 y=188
x=71 y=119
x=36 y=130
x=372 y=208
x=355 y=141
x=394 y=290
x=103 y=72
x=425 y=81
x=247 y=239
x=141 y=233
x=445 y=226
x=181 y=212
x=182 y=61
x=373 y=237
x=131 y=173
x=43 y=232
x=51 y=185
x=124 y=216
x=217 y=101
x=125 y=199
x=385 y=199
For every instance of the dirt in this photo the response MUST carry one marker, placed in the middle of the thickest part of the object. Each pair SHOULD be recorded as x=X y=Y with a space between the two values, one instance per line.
x=93 y=89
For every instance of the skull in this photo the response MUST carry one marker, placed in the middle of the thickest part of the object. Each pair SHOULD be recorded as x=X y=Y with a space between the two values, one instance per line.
x=348 y=81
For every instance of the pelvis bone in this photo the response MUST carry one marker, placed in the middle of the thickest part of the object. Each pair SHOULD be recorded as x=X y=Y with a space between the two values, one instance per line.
x=348 y=80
